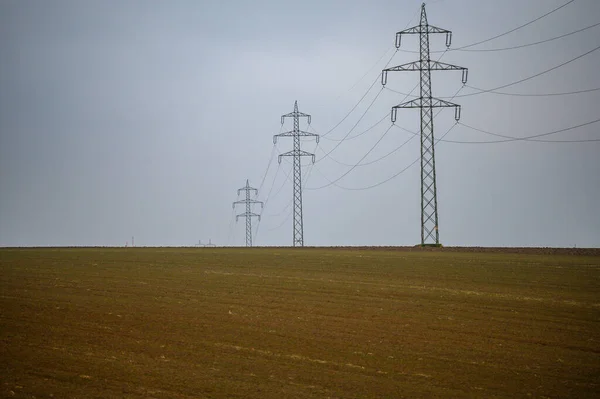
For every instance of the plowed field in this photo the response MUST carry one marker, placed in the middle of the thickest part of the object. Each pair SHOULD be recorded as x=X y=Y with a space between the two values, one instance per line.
x=285 y=323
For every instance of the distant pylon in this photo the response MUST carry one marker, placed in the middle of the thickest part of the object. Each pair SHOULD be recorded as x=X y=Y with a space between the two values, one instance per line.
x=248 y=214
x=429 y=212
x=296 y=153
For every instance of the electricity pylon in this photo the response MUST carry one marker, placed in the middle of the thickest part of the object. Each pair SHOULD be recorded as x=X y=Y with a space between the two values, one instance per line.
x=248 y=214
x=429 y=212
x=296 y=133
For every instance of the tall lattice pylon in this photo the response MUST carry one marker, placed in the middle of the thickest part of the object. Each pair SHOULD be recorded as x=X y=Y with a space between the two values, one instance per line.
x=429 y=211
x=297 y=153
x=248 y=214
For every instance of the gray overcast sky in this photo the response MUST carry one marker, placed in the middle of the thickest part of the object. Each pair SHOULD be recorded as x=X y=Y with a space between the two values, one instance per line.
x=121 y=118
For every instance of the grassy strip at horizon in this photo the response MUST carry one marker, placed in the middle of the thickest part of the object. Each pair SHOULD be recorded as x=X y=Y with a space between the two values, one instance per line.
x=273 y=322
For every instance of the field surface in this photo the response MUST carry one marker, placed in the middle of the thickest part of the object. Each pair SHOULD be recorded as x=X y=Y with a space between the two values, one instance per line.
x=310 y=323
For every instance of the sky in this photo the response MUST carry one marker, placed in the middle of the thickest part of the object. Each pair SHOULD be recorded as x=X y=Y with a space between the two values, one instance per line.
x=143 y=118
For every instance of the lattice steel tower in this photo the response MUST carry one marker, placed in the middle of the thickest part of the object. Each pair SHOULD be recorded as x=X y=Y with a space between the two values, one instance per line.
x=248 y=214
x=297 y=153
x=429 y=212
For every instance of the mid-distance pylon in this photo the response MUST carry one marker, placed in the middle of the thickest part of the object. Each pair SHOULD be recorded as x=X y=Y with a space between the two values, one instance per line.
x=248 y=214
x=297 y=153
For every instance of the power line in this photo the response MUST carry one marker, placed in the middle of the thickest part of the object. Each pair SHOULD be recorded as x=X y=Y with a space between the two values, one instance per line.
x=282 y=223
x=230 y=230
x=287 y=178
x=385 y=156
x=353 y=127
x=354 y=166
x=381 y=120
x=494 y=90
x=345 y=137
x=375 y=160
x=357 y=135
x=502 y=93
x=268 y=197
x=527 y=138
x=505 y=33
x=512 y=138
x=353 y=108
x=369 y=71
x=310 y=168
x=380 y=58
x=265 y=176
x=363 y=96
x=413 y=135
x=536 y=75
x=389 y=178
x=567 y=93
x=284 y=183
x=268 y=166
x=285 y=208
x=531 y=44
x=517 y=28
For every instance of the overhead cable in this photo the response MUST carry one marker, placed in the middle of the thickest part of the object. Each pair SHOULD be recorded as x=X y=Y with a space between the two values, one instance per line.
x=386 y=180
x=526 y=138
x=353 y=127
x=530 y=44
x=494 y=89
x=504 y=33
x=354 y=166
x=357 y=135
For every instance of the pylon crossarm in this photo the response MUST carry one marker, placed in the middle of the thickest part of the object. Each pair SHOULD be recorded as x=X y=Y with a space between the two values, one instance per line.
x=411 y=66
x=438 y=103
x=300 y=133
x=435 y=29
x=285 y=134
x=292 y=153
x=442 y=66
x=303 y=133
x=409 y=31
x=247 y=215
x=414 y=103
x=294 y=114
x=418 y=29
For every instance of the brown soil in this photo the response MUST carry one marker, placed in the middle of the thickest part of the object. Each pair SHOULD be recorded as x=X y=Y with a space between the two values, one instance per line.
x=277 y=323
